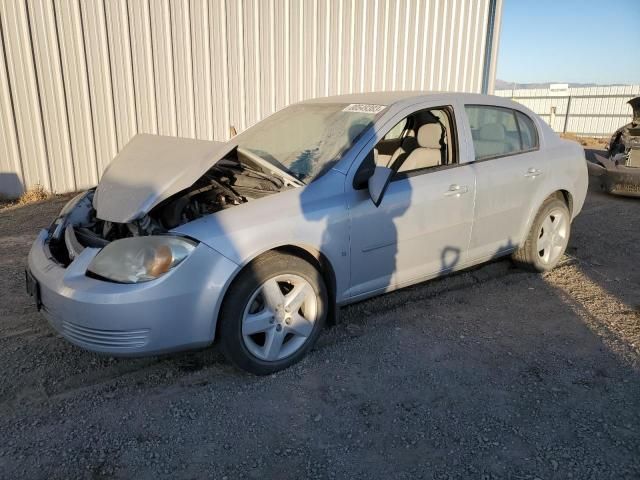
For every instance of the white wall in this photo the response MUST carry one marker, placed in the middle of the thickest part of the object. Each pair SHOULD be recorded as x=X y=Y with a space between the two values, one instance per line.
x=79 y=78
x=593 y=111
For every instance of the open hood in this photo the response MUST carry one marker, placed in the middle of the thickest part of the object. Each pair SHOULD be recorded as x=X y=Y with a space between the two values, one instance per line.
x=148 y=170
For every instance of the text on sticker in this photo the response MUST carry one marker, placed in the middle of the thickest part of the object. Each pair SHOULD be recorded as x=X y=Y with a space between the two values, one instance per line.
x=363 y=108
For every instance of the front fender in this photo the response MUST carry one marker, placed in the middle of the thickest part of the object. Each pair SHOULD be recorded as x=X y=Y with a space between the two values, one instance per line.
x=314 y=218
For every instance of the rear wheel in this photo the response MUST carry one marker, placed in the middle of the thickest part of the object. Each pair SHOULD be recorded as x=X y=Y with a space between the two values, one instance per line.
x=548 y=238
x=273 y=313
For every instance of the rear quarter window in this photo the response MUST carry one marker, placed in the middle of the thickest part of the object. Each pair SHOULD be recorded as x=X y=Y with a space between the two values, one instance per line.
x=528 y=131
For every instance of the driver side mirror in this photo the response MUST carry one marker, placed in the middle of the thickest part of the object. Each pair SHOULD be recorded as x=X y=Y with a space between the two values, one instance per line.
x=378 y=183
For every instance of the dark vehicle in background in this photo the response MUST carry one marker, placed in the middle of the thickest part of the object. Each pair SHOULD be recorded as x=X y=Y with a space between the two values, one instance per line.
x=619 y=171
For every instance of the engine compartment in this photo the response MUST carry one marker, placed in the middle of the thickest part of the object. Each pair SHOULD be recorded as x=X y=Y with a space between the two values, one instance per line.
x=226 y=184
x=232 y=181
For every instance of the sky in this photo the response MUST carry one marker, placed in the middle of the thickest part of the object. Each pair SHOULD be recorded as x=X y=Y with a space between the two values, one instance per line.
x=583 y=41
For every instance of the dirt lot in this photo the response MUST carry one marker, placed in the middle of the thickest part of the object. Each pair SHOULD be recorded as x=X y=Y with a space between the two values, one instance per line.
x=587 y=142
x=492 y=373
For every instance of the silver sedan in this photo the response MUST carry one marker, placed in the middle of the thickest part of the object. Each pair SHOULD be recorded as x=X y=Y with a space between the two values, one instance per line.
x=258 y=241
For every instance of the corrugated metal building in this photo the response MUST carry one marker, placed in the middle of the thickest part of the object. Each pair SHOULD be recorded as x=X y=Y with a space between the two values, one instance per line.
x=79 y=78
x=585 y=111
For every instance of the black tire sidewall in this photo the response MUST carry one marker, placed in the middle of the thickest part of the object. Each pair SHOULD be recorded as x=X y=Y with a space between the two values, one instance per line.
x=239 y=294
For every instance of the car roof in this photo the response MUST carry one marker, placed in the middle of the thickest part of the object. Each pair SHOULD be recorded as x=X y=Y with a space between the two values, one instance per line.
x=391 y=98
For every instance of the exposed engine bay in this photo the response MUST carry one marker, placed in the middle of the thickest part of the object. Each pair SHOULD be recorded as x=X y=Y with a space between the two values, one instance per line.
x=619 y=171
x=236 y=179
x=227 y=184
x=626 y=140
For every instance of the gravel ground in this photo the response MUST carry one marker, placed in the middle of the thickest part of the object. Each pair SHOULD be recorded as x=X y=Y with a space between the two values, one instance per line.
x=491 y=373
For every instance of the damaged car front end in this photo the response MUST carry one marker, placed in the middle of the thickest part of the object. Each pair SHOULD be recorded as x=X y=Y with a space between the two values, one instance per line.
x=112 y=256
x=619 y=171
x=141 y=263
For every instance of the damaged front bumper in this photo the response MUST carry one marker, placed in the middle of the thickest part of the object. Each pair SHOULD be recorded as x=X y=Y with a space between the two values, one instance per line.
x=615 y=177
x=177 y=311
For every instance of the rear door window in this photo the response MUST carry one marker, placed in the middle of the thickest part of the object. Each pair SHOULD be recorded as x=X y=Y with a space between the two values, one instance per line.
x=498 y=131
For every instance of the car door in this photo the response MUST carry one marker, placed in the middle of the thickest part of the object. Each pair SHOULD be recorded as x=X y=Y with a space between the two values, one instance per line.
x=508 y=170
x=421 y=228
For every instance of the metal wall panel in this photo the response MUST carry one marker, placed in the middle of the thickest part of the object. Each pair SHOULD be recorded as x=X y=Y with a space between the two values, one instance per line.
x=183 y=67
x=77 y=99
x=121 y=68
x=219 y=68
x=79 y=78
x=592 y=111
x=100 y=89
x=163 y=67
x=142 y=61
x=201 y=52
x=11 y=175
x=52 y=95
x=23 y=89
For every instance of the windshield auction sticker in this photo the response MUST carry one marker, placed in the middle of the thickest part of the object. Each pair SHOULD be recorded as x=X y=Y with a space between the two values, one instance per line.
x=364 y=108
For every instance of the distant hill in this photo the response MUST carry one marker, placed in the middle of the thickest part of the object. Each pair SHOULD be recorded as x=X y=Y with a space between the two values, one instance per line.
x=504 y=85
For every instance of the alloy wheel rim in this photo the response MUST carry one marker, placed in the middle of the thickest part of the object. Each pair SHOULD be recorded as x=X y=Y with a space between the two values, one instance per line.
x=552 y=237
x=279 y=317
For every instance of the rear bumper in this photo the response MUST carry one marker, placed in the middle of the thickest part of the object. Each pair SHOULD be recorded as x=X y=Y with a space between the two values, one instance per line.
x=623 y=181
x=616 y=179
x=178 y=311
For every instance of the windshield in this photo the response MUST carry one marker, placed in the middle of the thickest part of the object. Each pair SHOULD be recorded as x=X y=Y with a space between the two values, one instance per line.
x=306 y=140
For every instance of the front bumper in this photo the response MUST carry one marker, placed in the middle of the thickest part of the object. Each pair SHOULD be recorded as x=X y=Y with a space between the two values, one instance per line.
x=616 y=179
x=178 y=311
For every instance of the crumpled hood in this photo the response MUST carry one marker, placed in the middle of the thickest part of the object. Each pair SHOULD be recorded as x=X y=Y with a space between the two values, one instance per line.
x=148 y=170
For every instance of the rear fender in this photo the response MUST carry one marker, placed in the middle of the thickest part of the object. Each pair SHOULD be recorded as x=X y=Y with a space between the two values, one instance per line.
x=572 y=178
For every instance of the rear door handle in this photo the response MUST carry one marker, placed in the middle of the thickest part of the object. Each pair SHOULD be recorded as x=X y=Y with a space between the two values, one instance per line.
x=456 y=190
x=533 y=172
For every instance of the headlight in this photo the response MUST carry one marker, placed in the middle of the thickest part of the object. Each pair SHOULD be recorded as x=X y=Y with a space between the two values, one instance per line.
x=140 y=259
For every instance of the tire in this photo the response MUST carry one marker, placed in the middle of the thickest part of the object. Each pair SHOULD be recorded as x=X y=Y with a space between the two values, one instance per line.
x=256 y=321
x=553 y=218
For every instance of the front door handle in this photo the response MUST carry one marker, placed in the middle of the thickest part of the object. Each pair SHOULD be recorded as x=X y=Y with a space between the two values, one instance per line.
x=456 y=190
x=533 y=172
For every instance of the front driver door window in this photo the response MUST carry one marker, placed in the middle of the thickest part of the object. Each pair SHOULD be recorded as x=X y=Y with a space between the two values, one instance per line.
x=423 y=224
x=390 y=143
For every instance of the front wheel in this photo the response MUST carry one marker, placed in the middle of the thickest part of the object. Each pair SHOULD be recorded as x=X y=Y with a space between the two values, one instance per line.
x=273 y=313
x=548 y=238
